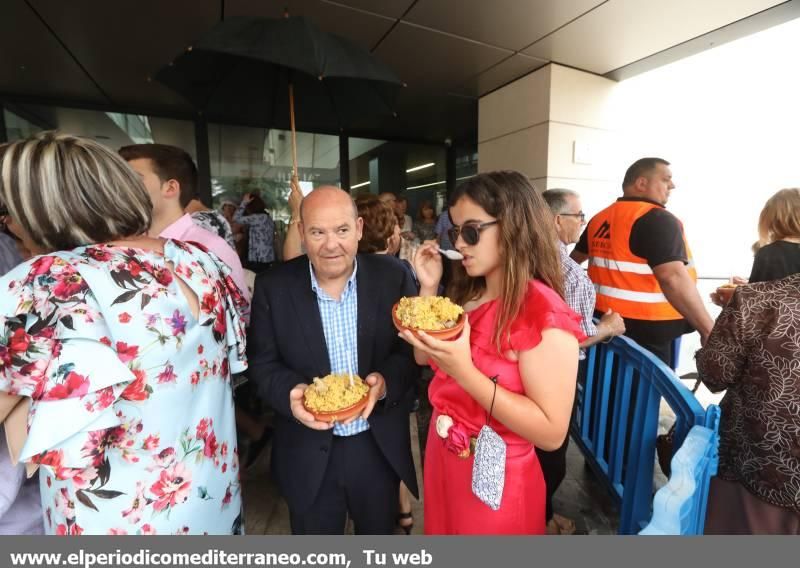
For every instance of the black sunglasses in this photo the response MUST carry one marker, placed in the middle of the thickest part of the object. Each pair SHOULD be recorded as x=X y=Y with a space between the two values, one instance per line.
x=470 y=232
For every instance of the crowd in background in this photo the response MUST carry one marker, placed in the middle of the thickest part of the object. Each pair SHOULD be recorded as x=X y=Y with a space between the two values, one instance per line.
x=130 y=310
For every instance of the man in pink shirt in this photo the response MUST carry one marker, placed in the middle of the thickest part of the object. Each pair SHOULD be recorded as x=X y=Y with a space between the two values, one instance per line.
x=170 y=176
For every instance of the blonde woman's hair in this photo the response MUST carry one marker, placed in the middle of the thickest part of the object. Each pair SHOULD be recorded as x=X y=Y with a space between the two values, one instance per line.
x=780 y=217
x=67 y=191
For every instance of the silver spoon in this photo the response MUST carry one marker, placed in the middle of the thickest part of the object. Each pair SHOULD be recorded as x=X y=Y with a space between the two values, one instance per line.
x=451 y=254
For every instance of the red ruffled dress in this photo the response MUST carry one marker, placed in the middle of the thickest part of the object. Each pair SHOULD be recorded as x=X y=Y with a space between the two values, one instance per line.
x=450 y=506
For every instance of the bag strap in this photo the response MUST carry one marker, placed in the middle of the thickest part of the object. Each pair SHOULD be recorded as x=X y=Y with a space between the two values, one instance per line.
x=494 y=393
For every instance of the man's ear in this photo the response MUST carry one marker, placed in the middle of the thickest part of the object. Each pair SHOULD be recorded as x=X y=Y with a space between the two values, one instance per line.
x=559 y=224
x=360 y=227
x=171 y=189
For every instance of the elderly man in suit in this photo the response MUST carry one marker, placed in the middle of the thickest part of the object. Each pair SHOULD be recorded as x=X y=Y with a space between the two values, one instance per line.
x=330 y=311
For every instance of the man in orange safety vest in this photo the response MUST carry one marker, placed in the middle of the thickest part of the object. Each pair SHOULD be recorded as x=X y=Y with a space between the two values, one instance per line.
x=640 y=262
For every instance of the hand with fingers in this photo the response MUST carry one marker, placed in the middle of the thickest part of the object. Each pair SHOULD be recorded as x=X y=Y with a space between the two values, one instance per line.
x=427 y=264
x=377 y=390
x=295 y=197
x=612 y=323
x=454 y=357
x=717 y=299
x=300 y=413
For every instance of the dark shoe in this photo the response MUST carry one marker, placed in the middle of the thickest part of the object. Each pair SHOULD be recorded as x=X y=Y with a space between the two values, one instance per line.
x=405 y=526
x=257 y=447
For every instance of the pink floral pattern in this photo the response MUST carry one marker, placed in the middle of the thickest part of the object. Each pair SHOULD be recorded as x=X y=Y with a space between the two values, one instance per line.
x=131 y=414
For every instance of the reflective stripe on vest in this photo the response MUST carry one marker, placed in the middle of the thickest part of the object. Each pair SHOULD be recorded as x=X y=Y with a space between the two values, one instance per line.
x=646 y=297
x=624 y=282
x=621 y=265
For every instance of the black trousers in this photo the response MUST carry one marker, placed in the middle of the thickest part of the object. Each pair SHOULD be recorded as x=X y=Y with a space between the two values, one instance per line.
x=358 y=482
x=662 y=350
x=554 y=469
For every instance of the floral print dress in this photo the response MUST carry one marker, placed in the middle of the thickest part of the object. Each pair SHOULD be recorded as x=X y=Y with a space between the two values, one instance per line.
x=132 y=418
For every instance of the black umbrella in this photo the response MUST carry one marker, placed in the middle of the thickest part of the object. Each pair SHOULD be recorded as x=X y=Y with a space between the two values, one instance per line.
x=242 y=70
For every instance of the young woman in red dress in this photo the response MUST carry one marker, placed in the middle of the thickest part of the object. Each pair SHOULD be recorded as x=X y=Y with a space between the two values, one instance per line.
x=519 y=331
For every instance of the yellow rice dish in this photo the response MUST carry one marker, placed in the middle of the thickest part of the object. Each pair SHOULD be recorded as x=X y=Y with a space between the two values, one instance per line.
x=429 y=313
x=333 y=392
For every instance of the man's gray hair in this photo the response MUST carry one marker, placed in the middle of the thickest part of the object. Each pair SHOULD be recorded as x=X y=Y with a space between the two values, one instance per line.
x=557 y=199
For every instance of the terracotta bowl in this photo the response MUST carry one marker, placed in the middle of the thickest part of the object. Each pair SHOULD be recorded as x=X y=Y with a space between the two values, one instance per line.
x=726 y=293
x=342 y=414
x=443 y=334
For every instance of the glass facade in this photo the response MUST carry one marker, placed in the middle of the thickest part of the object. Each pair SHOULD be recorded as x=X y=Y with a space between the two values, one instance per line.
x=466 y=163
x=17 y=127
x=111 y=129
x=247 y=159
x=416 y=171
x=259 y=160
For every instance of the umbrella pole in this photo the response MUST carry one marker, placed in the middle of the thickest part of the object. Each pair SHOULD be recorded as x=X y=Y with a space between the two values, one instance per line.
x=294 y=135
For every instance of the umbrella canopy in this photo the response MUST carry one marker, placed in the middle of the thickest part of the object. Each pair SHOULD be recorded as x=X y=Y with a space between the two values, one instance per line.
x=240 y=72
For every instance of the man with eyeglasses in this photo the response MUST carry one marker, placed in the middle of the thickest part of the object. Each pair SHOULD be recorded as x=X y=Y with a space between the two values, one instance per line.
x=579 y=294
x=578 y=289
x=641 y=264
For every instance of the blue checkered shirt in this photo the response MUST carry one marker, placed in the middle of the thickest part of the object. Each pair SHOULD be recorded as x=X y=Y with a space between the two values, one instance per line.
x=579 y=292
x=340 y=325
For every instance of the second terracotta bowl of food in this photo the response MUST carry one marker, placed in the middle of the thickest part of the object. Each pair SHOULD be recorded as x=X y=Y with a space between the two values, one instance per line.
x=438 y=317
x=332 y=399
x=726 y=292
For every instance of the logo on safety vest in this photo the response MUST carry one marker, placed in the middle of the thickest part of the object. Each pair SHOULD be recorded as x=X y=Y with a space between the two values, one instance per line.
x=604 y=232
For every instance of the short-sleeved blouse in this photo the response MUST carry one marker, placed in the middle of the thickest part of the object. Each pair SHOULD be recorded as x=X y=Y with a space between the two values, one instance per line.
x=132 y=417
x=542 y=308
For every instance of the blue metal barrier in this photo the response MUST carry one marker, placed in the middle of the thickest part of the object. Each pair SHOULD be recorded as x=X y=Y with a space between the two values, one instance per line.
x=620 y=388
x=680 y=506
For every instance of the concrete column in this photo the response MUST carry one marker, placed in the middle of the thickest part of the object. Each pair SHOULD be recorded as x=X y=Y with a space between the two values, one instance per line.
x=557 y=126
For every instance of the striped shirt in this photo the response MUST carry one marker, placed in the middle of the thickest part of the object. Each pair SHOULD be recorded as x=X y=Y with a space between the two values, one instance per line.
x=579 y=292
x=340 y=325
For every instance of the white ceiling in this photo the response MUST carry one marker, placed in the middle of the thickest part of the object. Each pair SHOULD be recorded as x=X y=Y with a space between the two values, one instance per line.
x=620 y=32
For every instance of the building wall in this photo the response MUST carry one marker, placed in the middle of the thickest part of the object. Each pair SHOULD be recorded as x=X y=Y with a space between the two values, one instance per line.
x=558 y=126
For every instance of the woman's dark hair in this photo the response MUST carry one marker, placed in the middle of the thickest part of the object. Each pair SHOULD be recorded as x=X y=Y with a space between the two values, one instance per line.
x=527 y=243
x=426 y=204
x=256 y=206
x=379 y=223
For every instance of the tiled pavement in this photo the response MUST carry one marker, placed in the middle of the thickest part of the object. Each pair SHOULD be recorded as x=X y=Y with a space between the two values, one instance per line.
x=579 y=498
